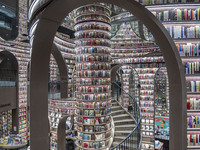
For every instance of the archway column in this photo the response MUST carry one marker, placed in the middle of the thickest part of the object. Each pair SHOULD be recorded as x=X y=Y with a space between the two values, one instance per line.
x=39 y=127
x=49 y=22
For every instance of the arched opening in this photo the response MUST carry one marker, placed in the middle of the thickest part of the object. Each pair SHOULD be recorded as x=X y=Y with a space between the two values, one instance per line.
x=61 y=131
x=44 y=34
x=9 y=89
x=62 y=70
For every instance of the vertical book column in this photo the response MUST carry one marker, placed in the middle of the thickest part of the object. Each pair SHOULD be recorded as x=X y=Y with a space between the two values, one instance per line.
x=93 y=86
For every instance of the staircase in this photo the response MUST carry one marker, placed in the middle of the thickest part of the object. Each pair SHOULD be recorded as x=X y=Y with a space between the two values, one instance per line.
x=124 y=124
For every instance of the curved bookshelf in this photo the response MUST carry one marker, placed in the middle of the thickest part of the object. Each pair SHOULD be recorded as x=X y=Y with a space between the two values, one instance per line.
x=93 y=64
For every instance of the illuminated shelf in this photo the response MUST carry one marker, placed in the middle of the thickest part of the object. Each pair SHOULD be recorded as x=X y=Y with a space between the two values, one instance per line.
x=193 y=92
x=183 y=23
x=193 y=147
x=193 y=129
x=193 y=111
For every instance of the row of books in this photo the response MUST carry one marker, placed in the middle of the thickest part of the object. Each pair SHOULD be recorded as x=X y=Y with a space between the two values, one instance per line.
x=92 y=42
x=188 y=49
x=147 y=121
x=92 y=25
x=61 y=104
x=193 y=139
x=192 y=67
x=93 y=66
x=96 y=17
x=94 y=129
x=116 y=56
x=94 y=89
x=147 y=110
x=146 y=76
x=100 y=73
x=154 y=2
x=193 y=104
x=94 y=105
x=148 y=146
x=88 y=137
x=92 y=34
x=148 y=116
x=91 y=58
x=93 y=97
x=92 y=9
x=193 y=86
x=147 y=82
x=147 y=133
x=148 y=65
x=178 y=14
x=92 y=81
x=147 y=70
x=83 y=50
x=56 y=111
x=178 y=32
x=146 y=98
x=96 y=145
x=137 y=60
x=94 y=113
x=193 y=122
x=93 y=121
x=132 y=45
x=147 y=87
x=147 y=104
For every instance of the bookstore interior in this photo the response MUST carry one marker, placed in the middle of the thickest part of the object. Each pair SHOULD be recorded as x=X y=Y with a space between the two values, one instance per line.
x=111 y=81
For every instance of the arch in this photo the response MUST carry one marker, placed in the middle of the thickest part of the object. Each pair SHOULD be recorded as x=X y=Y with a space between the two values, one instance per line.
x=62 y=69
x=114 y=74
x=9 y=72
x=11 y=58
x=10 y=95
x=42 y=44
x=61 y=131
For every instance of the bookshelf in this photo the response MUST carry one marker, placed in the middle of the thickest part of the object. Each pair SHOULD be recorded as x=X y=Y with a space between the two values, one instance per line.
x=161 y=94
x=182 y=22
x=21 y=51
x=93 y=87
x=127 y=43
x=57 y=110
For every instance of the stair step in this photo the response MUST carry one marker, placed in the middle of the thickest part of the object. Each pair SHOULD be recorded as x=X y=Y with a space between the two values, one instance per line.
x=133 y=141
x=119 y=133
x=114 y=108
x=121 y=117
x=117 y=112
x=124 y=122
x=114 y=104
x=131 y=147
x=125 y=127
x=122 y=137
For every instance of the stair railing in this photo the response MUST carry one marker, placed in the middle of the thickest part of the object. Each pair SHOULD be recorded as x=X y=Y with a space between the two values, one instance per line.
x=135 y=135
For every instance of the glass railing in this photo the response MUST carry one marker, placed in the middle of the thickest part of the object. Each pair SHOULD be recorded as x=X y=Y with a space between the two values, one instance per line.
x=54 y=91
x=135 y=135
x=8 y=77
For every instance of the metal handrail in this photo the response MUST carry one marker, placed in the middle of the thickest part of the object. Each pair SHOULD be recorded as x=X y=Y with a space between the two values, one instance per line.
x=137 y=119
